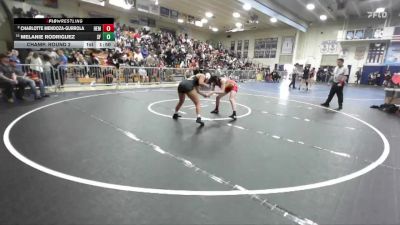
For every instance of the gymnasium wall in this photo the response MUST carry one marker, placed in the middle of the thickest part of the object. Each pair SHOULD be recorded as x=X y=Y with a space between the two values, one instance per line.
x=251 y=36
x=307 y=49
x=74 y=8
x=5 y=37
x=309 y=44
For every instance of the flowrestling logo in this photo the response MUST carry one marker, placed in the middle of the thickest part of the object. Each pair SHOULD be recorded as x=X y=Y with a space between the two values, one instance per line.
x=379 y=15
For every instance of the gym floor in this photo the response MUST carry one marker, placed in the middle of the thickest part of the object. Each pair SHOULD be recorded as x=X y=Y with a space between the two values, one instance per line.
x=117 y=157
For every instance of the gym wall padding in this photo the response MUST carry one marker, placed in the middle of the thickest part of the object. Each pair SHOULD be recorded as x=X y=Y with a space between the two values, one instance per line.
x=394 y=69
x=371 y=69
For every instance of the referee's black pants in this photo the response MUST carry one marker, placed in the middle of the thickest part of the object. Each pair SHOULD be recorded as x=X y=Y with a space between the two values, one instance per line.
x=338 y=90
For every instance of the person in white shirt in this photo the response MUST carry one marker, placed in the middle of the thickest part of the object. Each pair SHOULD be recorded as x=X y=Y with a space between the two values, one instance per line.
x=339 y=79
x=296 y=72
x=36 y=64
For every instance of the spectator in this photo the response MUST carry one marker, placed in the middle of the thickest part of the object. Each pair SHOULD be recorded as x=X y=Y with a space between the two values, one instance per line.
x=47 y=71
x=30 y=81
x=137 y=56
x=36 y=65
x=14 y=56
x=83 y=68
x=388 y=75
x=305 y=78
x=311 y=80
x=358 y=76
x=275 y=76
x=295 y=73
x=378 y=79
x=93 y=63
x=8 y=80
x=29 y=58
x=62 y=66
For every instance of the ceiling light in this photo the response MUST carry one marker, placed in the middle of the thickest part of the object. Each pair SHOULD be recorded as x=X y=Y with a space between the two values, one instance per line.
x=310 y=6
x=204 y=20
x=246 y=6
x=96 y=2
x=198 y=23
x=235 y=30
x=380 y=10
x=180 y=21
x=323 y=17
x=236 y=14
x=156 y=3
x=273 y=20
x=209 y=14
x=214 y=29
x=238 y=25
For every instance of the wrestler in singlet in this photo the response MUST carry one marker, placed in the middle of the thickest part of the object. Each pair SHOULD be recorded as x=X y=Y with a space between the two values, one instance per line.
x=227 y=86
x=190 y=88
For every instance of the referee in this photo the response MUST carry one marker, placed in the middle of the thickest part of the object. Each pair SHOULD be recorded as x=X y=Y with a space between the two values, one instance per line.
x=339 y=80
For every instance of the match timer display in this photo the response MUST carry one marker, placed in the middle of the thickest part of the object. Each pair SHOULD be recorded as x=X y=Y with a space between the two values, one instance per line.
x=64 y=33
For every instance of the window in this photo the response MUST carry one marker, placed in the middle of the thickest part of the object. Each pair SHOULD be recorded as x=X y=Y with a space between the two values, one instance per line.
x=239 y=49
x=376 y=53
x=265 y=48
x=232 y=45
x=246 y=49
x=164 y=11
x=174 y=14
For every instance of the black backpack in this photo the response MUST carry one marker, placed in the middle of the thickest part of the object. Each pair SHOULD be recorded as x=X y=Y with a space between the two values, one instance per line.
x=389 y=108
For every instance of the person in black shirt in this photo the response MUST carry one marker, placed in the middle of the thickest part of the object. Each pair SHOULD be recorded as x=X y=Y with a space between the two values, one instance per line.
x=294 y=76
x=275 y=76
x=358 y=76
x=306 y=76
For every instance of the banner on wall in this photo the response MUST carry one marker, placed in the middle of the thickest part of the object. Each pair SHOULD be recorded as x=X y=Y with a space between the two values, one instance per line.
x=287 y=45
x=329 y=47
x=393 y=54
x=360 y=53
x=344 y=52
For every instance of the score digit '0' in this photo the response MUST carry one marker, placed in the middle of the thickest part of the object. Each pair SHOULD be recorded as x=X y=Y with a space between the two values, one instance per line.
x=108 y=27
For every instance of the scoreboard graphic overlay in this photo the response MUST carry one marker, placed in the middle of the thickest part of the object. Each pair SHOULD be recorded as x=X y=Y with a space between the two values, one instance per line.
x=64 y=33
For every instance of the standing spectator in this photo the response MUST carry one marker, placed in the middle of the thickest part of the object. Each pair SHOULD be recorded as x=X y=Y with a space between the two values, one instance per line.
x=305 y=78
x=388 y=75
x=83 y=68
x=36 y=66
x=62 y=66
x=93 y=63
x=53 y=57
x=311 y=79
x=29 y=58
x=339 y=80
x=295 y=73
x=358 y=76
x=47 y=71
x=378 y=79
